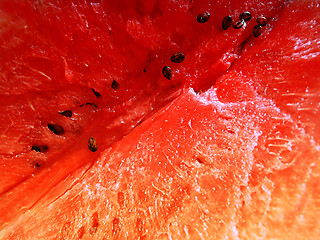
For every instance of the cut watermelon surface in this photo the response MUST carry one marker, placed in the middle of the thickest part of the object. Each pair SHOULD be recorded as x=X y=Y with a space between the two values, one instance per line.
x=227 y=148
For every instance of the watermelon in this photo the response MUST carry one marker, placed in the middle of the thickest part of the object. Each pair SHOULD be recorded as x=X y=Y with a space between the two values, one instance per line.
x=159 y=119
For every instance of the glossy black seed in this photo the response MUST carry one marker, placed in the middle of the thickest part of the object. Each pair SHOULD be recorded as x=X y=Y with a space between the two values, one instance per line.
x=246 y=16
x=226 y=22
x=56 y=128
x=257 y=30
x=40 y=148
x=177 y=57
x=237 y=25
x=262 y=21
x=167 y=72
x=203 y=17
x=92 y=144
x=98 y=95
x=66 y=113
x=115 y=85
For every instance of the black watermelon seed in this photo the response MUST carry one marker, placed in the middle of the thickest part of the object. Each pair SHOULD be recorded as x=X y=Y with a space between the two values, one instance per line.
x=66 y=113
x=98 y=95
x=237 y=25
x=203 y=17
x=40 y=148
x=37 y=165
x=177 y=57
x=246 y=16
x=226 y=22
x=262 y=21
x=257 y=30
x=92 y=144
x=167 y=72
x=115 y=85
x=144 y=70
x=56 y=128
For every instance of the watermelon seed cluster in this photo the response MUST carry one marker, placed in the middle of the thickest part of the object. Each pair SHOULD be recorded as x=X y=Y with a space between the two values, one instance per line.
x=58 y=130
x=175 y=58
x=257 y=30
x=245 y=17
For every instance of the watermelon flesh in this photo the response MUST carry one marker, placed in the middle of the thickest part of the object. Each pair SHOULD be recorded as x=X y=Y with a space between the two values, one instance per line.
x=239 y=160
x=64 y=62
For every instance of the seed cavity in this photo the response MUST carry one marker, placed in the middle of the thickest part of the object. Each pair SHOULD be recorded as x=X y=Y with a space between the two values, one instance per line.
x=177 y=57
x=115 y=85
x=66 y=113
x=262 y=21
x=81 y=232
x=37 y=165
x=92 y=144
x=237 y=25
x=226 y=22
x=167 y=72
x=140 y=226
x=200 y=160
x=121 y=199
x=89 y=104
x=94 y=223
x=116 y=226
x=98 y=95
x=203 y=17
x=40 y=148
x=56 y=128
x=66 y=230
x=257 y=30
x=246 y=16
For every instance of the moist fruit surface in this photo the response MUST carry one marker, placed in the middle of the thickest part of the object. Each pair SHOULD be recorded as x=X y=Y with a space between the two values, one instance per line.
x=159 y=119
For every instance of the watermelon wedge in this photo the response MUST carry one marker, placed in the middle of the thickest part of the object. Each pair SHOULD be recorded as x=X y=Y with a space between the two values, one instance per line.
x=159 y=119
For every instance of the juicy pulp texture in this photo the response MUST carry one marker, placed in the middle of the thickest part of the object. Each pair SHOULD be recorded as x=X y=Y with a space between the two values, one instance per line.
x=235 y=161
x=213 y=177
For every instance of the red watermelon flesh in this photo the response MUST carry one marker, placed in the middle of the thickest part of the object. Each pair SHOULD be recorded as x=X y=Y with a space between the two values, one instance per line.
x=286 y=73
x=181 y=180
x=234 y=163
x=59 y=52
